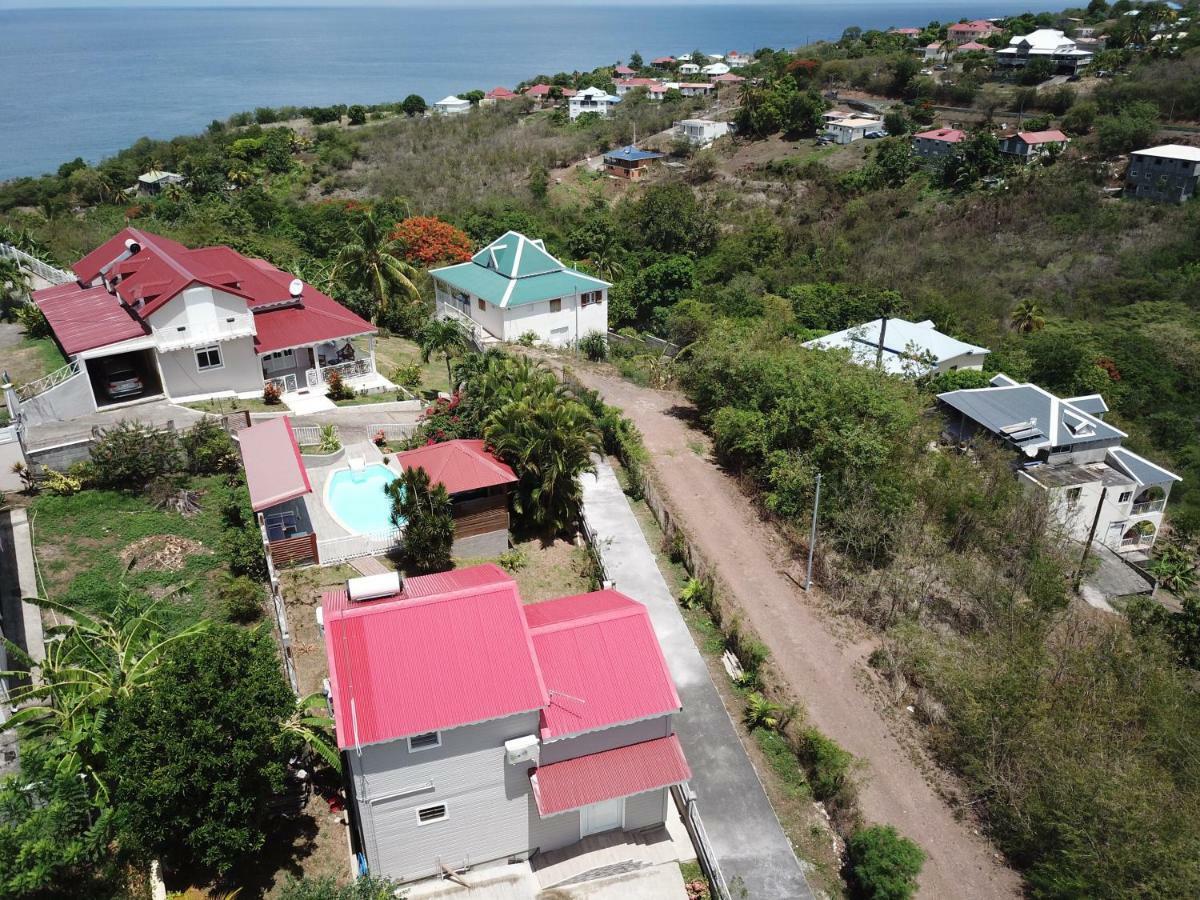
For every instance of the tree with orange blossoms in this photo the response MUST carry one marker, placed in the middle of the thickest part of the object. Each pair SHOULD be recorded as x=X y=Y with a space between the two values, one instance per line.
x=428 y=241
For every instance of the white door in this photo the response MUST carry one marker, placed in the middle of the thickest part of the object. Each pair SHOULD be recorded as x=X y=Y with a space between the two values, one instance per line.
x=603 y=816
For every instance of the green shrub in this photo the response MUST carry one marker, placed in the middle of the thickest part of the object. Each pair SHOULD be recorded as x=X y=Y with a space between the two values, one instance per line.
x=244 y=549
x=407 y=375
x=528 y=339
x=272 y=394
x=336 y=387
x=367 y=887
x=130 y=455
x=242 y=598
x=594 y=346
x=330 y=442
x=828 y=764
x=208 y=448
x=33 y=321
x=513 y=560
x=59 y=484
x=882 y=864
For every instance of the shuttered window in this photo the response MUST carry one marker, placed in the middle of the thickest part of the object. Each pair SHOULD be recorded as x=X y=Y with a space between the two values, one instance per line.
x=428 y=814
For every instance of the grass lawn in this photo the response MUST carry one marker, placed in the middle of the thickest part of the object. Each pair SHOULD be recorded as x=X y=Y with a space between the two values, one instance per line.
x=558 y=569
x=394 y=351
x=89 y=543
x=367 y=399
x=302 y=589
x=32 y=358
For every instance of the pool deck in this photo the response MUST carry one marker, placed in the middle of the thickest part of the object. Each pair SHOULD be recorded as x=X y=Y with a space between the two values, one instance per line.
x=323 y=522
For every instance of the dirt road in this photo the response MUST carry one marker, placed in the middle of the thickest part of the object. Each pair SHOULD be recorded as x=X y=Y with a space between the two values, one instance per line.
x=823 y=672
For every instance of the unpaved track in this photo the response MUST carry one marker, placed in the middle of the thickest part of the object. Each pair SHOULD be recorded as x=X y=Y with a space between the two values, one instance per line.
x=822 y=672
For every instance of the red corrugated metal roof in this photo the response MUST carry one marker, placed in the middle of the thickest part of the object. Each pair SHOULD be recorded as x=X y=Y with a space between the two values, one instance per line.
x=500 y=93
x=406 y=665
x=949 y=135
x=320 y=318
x=622 y=772
x=461 y=465
x=601 y=663
x=1043 y=137
x=274 y=471
x=85 y=318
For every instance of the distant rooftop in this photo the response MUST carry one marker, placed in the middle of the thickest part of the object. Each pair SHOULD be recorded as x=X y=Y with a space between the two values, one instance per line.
x=1172 y=151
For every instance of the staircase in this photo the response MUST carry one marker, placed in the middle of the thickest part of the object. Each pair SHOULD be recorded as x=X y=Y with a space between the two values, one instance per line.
x=604 y=855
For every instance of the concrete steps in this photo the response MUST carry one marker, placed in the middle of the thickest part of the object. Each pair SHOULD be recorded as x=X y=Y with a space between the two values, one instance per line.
x=603 y=856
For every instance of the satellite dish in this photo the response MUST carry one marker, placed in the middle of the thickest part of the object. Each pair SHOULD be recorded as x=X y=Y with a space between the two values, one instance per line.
x=296 y=288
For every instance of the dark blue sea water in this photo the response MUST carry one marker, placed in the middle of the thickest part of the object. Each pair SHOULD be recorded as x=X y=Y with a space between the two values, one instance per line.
x=87 y=82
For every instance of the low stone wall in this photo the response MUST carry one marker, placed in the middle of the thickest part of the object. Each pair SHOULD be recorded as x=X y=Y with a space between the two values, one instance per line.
x=62 y=456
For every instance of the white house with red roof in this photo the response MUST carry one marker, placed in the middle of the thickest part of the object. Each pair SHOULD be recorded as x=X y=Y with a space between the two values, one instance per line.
x=1026 y=145
x=148 y=317
x=496 y=95
x=477 y=729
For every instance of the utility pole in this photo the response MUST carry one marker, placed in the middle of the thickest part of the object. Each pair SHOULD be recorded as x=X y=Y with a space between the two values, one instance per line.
x=878 y=354
x=1091 y=536
x=812 y=536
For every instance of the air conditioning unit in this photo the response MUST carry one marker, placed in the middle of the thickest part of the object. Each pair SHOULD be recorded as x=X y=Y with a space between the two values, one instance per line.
x=372 y=587
x=523 y=750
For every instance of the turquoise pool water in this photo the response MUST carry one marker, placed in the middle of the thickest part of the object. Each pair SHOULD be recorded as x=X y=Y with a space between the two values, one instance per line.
x=357 y=499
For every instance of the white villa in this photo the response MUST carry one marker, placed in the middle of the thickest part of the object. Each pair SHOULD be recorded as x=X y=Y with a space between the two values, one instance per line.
x=1046 y=43
x=1071 y=454
x=513 y=287
x=452 y=106
x=900 y=347
x=700 y=132
x=592 y=99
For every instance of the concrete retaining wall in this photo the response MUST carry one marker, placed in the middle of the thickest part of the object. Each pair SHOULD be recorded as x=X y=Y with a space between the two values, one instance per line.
x=62 y=456
x=62 y=403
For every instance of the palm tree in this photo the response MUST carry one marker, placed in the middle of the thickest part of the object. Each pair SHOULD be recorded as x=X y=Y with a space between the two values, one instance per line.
x=374 y=260
x=239 y=177
x=443 y=336
x=549 y=442
x=1028 y=316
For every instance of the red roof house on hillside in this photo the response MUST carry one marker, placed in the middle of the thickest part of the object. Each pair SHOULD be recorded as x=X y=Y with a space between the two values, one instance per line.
x=973 y=30
x=149 y=316
x=478 y=727
x=499 y=93
x=478 y=484
x=937 y=141
x=624 y=70
x=1025 y=145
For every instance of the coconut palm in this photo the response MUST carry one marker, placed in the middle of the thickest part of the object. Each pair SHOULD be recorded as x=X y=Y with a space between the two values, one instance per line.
x=549 y=442
x=444 y=336
x=1028 y=316
x=374 y=260
x=240 y=177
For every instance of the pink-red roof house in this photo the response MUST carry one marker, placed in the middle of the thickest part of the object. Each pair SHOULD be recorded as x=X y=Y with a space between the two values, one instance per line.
x=624 y=70
x=500 y=93
x=478 y=484
x=542 y=91
x=193 y=323
x=969 y=31
x=972 y=47
x=937 y=141
x=663 y=61
x=728 y=78
x=1027 y=144
x=472 y=722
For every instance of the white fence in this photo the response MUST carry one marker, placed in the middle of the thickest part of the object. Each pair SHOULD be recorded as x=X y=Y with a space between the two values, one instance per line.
x=364 y=365
x=35 y=266
x=356 y=546
x=310 y=435
x=392 y=431
x=31 y=389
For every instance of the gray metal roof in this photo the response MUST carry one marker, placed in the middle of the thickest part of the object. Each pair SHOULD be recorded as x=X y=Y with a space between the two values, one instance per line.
x=1139 y=468
x=1029 y=417
x=1089 y=403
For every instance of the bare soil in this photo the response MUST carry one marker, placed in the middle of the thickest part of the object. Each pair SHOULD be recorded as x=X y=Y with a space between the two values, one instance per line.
x=160 y=553
x=823 y=660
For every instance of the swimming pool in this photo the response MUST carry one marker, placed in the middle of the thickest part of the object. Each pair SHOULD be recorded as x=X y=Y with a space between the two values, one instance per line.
x=357 y=499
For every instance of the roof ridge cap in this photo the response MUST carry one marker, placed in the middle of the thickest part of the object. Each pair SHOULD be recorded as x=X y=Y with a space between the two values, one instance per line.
x=595 y=618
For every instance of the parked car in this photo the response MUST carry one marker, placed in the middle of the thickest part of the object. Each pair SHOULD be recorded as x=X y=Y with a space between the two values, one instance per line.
x=824 y=139
x=121 y=381
x=875 y=134
x=927 y=71
x=940 y=67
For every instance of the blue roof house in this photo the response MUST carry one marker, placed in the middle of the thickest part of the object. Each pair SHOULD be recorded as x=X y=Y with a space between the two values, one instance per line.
x=629 y=162
x=513 y=287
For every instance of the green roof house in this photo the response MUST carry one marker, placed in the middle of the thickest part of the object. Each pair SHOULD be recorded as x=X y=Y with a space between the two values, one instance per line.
x=513 y=287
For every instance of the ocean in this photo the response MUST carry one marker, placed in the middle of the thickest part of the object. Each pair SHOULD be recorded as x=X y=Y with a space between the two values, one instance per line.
x=88 y=82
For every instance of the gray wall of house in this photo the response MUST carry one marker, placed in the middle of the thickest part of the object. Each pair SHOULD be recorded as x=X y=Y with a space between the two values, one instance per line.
x=644 y=810
x=1161 y=178
x=488 y=801
x=240 y=371
x=63 y=402
x=605 y=739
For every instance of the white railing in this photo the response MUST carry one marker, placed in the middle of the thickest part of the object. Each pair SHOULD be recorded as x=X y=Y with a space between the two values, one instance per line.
x=196 y=335
x=392 y=431
x=10 y=434
x=31 y=389
x=310 y=435
x=285 y=383
x=364 y=365
x=1139 y=541
x=474 y=330
x=356 y=546
x=1150 y=506
x=35 y=266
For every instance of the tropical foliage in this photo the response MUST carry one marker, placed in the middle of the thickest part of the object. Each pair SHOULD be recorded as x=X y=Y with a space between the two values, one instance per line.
x=374 y=260
x=424 y=511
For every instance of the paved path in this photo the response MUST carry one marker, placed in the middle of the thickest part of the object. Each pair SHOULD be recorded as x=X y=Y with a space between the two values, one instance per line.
x=22 y=621
x=824 y=672
x=745 y=833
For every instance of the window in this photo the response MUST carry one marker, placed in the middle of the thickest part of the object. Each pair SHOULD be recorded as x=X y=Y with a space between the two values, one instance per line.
x=426 y=741
x=1125 y=495
x=208 y=358
x=1073 y=496
x=480 y=303
x=587 y=298
x=556 y=305
x=434 y=813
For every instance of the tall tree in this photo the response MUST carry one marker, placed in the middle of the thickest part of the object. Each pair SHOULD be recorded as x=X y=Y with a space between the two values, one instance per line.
x=424 y=511
x=374 y=260
x=1028 y=316
x=442 y=336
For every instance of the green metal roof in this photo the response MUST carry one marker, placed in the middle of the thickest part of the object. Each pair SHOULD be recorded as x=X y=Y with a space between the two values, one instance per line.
x=514 y=270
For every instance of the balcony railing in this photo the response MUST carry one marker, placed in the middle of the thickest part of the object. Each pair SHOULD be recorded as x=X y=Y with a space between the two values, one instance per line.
x=198 y=335
x=1151 y=506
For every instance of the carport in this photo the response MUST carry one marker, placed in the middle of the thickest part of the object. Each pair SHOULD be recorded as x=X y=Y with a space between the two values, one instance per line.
x=141 y=361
